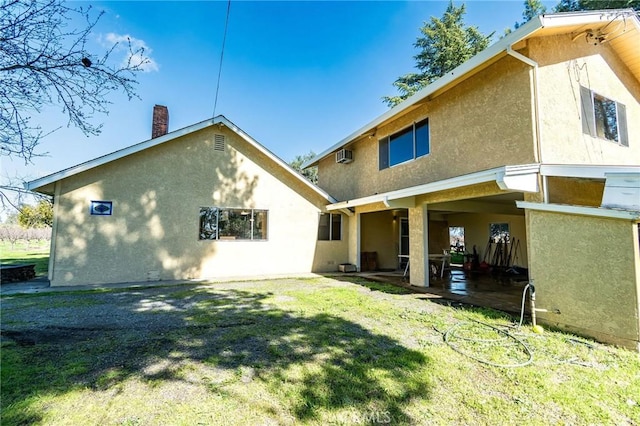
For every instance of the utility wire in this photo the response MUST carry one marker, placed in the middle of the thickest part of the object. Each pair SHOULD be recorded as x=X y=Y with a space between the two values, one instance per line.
x=224 y=39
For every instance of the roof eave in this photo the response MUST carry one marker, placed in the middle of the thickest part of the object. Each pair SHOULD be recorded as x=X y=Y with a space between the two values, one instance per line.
x=37 y=184
x=498 y=48
x=519 y=178
x=625 y=214
x=476 y=61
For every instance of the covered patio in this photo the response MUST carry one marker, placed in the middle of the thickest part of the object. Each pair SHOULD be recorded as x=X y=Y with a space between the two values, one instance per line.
x=481 y=290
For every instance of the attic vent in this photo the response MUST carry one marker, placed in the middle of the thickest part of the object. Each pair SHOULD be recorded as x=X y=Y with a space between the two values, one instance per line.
x=344 y=156
x=219 y=143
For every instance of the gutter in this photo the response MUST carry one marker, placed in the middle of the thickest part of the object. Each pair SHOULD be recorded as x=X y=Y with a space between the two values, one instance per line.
x=519 y=178
x=219 y=120
x=500 y=47
x=625 y=214
x=504 y=45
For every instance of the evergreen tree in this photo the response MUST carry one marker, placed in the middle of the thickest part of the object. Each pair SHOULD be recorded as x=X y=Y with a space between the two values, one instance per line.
x=310 y=173
x=444 y=44
x=532 y=8
x=577 y=5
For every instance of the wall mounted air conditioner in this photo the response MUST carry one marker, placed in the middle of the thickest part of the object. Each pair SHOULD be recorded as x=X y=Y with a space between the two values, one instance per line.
x=344 y=156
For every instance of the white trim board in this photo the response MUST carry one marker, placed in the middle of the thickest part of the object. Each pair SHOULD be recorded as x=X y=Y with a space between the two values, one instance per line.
x=581 y=211
x=116 y=155
x=489 y=55
x=524 y=180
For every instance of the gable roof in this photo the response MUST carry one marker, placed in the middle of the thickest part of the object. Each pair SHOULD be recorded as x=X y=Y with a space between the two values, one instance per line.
x=620 y=28
x=38 y=185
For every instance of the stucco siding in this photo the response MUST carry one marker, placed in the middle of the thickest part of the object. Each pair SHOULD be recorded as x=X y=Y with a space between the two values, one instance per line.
x=579 y=192
x=594 y=286
x=484 y=122
x=380 y=234
x=565 y=65
x=476 y=233
x=154 y=230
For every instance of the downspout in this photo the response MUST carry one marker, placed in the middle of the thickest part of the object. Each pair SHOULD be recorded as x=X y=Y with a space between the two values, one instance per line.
x=536 y=112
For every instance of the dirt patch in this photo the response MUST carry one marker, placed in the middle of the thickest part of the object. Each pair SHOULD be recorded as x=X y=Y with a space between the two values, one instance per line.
x=50 y=335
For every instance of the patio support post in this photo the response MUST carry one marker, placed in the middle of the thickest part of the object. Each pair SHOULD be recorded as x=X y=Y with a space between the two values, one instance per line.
x=354 y=240
x=419 y=246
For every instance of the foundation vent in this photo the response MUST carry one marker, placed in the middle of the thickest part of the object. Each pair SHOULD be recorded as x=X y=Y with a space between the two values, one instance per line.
x=219 y=143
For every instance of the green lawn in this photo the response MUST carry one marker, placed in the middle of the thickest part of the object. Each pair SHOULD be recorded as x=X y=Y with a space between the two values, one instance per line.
x=26 y=252
x=298 y=351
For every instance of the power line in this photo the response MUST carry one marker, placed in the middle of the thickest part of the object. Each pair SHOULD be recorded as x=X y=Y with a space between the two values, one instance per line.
x=224 y=39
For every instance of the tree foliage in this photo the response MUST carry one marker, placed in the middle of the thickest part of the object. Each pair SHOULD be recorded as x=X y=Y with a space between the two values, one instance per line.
x=444 y=44
x=43 y=63
x=39 y=216
x=532 y=8
x=310 y=173
x=577 y=5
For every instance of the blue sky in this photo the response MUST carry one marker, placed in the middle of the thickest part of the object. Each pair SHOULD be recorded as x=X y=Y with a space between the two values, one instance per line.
x=296 y=76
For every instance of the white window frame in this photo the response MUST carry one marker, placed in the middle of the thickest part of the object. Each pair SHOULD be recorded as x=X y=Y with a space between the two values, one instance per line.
x=214 y=229
x=590 y=124
x=330 y=236
x=385 y=144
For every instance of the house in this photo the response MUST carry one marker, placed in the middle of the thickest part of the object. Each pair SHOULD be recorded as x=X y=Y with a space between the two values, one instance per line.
x=535 y=140
x=533 y=144
x=206 y=201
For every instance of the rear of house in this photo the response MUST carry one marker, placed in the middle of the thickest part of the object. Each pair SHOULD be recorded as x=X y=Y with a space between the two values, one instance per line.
x=206 y=201
x=532 y=144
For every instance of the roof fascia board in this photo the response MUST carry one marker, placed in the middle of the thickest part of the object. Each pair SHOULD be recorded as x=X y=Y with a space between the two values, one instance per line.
x=631 y=215
x=276 y=159
x=104 y=159
x=519 y=178
x=584 y=171
x=562 y=19
x=456 y=182
x=501 y=46
x=220 y=119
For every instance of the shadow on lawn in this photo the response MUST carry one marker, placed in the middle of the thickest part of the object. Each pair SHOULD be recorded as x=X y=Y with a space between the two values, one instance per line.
x=315 y=363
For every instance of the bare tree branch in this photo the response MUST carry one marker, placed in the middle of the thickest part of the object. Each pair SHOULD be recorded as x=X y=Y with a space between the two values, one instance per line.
x=45 y=63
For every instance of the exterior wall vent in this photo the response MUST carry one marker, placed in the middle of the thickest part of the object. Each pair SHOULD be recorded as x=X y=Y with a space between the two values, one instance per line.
x=344 y=156
x=219 y=143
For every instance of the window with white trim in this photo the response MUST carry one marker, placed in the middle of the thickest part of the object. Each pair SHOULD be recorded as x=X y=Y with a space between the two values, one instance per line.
x=330 y=227
x=603 y=118
x=406 y=145
x=233 y=224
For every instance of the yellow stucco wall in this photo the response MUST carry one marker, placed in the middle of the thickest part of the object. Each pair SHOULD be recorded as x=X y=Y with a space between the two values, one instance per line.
x=157 y=195
x=564 y=65
x=476 y=227
x=482 y=123
x=587 y=268
x=488 y=120
x=380 y=234
x=579 y=192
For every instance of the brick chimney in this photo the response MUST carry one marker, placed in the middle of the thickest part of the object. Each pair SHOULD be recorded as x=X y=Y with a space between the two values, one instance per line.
x=160 y=124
